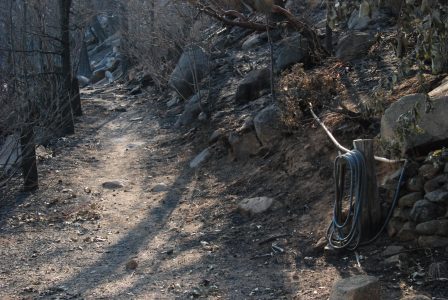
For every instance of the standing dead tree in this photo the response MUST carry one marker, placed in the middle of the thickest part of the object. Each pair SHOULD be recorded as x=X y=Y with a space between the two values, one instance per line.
x=39 y=93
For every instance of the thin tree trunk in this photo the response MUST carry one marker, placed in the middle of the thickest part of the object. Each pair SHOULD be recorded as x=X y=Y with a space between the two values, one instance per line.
x=75 y=97
x=66 y=119
x=29 y=164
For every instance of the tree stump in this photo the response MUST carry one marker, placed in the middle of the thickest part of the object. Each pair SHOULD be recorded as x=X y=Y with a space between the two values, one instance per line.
x=371 y=207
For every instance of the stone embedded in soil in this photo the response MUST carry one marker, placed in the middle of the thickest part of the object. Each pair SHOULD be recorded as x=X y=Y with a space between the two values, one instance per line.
x=269 y=125
x=437 y=196
x=257 y=205
x=131 y=265
x=415 y=184
x=435 y=183
x=112 y=185
x=432 y=241
x=407 y=232
x=417 y=297
x=402 y=213
x=410 y=199
x=392 y=250
x=361 y=287
x=396 y=260
x=428 y=171
x=158 y=188
x=216 y=135
x=353 y=45
x=244 y=145
x=433 y=227
x=394 y=227
x=425 y=210
x=252 y=85
x=200 y=158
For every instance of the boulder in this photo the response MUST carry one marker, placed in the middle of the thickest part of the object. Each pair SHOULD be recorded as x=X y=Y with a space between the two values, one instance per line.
x=354 y=45
x=432 y=241
x=190 y=69
x=429 y=171
x=192 y=110
x=410 y=199
x=291 y=50
x=425 y=210
x=257 y=205
x=269 y=125
x=437 y=196
x=251 y=87
x=361 y=287
x=415 y=184
x=402 y=213
x=407 y=232
x=244 y=145
x=433 y=123
x=433 y=227
x=435 y=183
x=394 y=226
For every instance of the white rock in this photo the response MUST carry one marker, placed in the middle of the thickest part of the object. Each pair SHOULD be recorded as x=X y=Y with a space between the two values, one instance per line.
x=257 y=205
x=200 y=158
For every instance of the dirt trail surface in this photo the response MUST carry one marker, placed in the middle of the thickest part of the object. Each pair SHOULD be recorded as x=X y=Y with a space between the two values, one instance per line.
x=121 y=215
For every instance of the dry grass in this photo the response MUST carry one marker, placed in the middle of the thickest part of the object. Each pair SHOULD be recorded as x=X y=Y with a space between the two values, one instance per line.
x=320 y=87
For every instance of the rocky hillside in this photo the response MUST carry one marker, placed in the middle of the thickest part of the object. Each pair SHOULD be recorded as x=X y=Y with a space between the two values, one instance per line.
x=237 y=174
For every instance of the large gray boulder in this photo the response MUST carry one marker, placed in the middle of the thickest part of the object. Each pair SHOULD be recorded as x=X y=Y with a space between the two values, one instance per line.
x=251 y=87
x=354 y=45
x=425 y=210
x=434 y=124
x=269 y=125
x=190 y=69
x=291 y=50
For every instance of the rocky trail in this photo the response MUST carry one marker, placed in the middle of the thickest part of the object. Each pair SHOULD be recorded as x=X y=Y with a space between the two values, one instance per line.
x=120 y=214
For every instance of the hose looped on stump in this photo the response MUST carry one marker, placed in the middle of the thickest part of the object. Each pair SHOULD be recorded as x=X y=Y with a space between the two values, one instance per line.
x=346 y=231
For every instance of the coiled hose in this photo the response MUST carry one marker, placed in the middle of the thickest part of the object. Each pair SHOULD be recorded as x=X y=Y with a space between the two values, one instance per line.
x=347 y=232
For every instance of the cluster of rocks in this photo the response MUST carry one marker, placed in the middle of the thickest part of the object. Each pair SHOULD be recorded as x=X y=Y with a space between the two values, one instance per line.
x=100 y=58
x=422 y=212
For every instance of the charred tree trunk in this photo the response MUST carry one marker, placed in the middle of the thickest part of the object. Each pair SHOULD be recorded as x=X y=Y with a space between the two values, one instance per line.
x=84 y=62
x=29 y=165
x=75 y=97
x=66 y=119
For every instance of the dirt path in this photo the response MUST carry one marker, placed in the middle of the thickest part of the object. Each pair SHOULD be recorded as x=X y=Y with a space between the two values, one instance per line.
x=76 y=238
x=121 y=215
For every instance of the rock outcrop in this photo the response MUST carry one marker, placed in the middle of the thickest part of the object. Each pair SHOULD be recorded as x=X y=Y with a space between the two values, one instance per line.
x=432 y=122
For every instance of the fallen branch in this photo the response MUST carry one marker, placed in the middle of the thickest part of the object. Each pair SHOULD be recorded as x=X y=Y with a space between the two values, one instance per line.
x=273 y=238
x=342 y=148
x=241 y=21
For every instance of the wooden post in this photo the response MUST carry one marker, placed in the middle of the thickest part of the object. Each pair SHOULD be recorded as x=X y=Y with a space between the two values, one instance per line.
x=371 y=209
